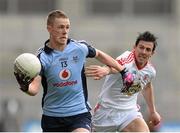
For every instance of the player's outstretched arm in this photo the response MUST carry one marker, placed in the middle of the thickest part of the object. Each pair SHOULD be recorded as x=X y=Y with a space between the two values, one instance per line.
x=97 y=72
x=148 y=94
x=108 y=60
x=113 y=66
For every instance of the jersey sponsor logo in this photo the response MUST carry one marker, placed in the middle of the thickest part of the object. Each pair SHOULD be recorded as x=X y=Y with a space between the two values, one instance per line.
x=63 y=59
x=132 y=90
x=66 y=83
x=65 y=74
x=136 y=87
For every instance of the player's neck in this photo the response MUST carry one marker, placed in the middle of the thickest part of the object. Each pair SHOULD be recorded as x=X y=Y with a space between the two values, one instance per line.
x=57 y=46
x=140 y=65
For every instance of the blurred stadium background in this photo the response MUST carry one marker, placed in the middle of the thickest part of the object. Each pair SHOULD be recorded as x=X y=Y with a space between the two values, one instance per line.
x=109 y=25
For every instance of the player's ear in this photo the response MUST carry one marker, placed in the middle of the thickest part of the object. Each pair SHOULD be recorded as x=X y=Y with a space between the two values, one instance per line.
x=134 y=46
x=49 y=28
x=152 y=53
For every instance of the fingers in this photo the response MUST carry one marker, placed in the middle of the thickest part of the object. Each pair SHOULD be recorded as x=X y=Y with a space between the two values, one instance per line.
x=93 y=67
x=150 y=122
x=95 y=71
x=92 y=71
x=154 y=123
x=155 y=119
x=97 y=78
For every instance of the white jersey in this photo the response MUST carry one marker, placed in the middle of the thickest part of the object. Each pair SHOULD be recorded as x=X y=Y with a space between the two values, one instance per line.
x=111 y=95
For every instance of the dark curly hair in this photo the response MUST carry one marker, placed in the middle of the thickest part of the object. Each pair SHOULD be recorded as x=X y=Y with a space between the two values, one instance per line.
x=147 y=36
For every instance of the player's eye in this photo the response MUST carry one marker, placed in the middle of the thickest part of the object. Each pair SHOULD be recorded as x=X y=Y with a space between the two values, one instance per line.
x=141 y=47
x=67 y=27
x=148 y=49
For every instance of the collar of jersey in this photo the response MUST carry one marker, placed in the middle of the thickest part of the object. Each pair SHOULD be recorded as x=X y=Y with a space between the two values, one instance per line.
x=48 y=50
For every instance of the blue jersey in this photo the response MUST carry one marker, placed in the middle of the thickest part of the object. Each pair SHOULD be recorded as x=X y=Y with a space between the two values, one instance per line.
x=63 y=79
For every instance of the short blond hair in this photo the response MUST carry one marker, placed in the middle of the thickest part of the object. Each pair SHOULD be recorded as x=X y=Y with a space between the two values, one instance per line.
x=55 y=14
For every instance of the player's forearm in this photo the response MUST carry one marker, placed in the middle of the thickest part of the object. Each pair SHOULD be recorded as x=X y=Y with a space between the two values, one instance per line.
x=32 y=91
x=149 y=97
x=150 y=104
x=34 y=87
x=109 y=61
x=111 y=70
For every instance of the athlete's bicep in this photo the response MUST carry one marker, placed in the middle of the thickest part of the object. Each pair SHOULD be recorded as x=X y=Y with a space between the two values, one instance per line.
x=147 y=88
x=148 y=85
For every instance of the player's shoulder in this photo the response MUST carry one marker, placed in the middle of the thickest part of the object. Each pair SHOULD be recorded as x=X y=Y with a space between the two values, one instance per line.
x=42 y=54
x=151 y=68
x=82 y=44
x=126 y=57
x=124 y=54
x=39 y=51
x=79 y=42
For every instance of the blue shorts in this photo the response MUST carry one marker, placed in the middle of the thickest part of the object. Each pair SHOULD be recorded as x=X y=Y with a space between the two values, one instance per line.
x=66 y=124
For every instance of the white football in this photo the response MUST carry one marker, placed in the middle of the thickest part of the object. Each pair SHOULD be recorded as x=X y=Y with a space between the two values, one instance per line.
x=27 y=64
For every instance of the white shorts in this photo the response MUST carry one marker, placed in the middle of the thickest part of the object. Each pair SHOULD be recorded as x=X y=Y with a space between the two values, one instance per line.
x=112 y=120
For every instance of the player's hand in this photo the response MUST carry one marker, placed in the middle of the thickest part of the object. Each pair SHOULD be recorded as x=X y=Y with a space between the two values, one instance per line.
x=128 y=78
x=23 y=81
x=155 y=119
x=97 y=72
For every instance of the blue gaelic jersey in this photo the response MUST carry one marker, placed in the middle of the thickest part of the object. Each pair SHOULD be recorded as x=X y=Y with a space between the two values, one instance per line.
x=63 y=79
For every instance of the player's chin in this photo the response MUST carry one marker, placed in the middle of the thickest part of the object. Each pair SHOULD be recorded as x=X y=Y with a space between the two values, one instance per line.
x=143 y=60
x=63 y=41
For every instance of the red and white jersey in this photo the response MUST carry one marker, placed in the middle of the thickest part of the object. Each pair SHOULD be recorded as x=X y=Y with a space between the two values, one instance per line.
x=111 y=94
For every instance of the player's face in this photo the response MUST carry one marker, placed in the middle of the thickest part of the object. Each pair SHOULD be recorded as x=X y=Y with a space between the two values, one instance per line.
x=59 y=30
x=143 y=51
